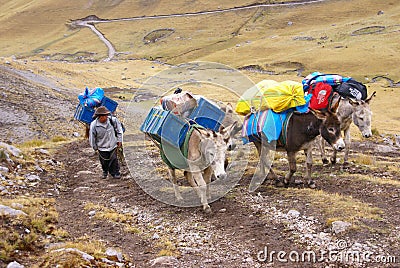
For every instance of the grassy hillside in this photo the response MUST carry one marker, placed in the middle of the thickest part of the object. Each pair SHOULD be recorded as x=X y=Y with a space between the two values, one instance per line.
x=278 y=42
x=329 y=35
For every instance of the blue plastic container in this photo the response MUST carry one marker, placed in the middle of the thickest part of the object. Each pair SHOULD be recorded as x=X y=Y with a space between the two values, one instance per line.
x=110 y=104
x=165 y=126
x=84 y=114
x=207 y=114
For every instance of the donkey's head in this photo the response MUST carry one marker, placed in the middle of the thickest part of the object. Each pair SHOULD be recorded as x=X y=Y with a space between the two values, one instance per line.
x=330 y=127
x=230 y=119
x=362 y=115
x=213 y=147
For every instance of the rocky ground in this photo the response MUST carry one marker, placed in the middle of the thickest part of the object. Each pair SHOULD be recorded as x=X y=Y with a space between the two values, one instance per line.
x=353 y=210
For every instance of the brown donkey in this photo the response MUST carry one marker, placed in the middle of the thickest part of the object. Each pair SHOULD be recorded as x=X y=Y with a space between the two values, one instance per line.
x=302 y=129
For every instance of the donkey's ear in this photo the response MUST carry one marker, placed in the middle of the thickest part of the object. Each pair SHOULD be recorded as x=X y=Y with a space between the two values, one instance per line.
x=370 y=97
x=318 y=114
x=226 y=132
x=335 y=106
x=204 y=133
x=354 y=103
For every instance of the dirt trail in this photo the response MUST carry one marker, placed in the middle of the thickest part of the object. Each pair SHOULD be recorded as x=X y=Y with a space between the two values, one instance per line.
x=232 y=227
x=241 y=225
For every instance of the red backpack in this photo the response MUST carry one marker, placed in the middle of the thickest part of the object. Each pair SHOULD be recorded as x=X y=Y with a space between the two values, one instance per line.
x=321 y=93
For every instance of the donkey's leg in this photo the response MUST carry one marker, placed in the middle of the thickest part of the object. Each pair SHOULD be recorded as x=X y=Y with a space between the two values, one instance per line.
x=201 y=188
x=172 y=177
x=259 y=175
x=207 y=178
x=309 y=162
x=321 y=147
x=292 y=168
x=347 y=143
x=260 y=166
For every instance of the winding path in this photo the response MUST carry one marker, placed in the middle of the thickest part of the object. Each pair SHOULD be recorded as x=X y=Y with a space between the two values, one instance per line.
x=111 y=50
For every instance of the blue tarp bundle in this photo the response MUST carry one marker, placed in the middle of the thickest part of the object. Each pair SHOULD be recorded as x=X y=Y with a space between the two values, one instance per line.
x=91 y=98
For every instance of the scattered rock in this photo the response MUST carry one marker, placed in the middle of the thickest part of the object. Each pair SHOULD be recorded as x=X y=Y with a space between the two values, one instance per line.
x=92 y=213
x=15 y=264
x=11 y=149
x=293 y=213
x=7 y=211
x=397 y=139
x=156 y=236
x=384 y=149
x=43 y=151
x=4 y=169
x=340 y=226
x=164 y=260
x=84 y=172
x=17 y=205
x=81 y=189
x=32 y=177
x=114 y=255
x=84 y=255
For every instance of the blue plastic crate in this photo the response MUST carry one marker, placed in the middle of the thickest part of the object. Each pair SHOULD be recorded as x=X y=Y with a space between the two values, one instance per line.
x=207 y=114
x=84 y=114
x=110 y=104
x=165 y=126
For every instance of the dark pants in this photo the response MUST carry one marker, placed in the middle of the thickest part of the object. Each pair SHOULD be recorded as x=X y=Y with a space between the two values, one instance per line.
x=109 y=162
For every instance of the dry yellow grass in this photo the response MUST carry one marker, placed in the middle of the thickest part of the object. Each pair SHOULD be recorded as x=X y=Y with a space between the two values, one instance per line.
x=336 y=206
x=268 y=37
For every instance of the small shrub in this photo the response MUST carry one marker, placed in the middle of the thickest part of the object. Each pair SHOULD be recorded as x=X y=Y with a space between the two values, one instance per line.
x=375 y=132
x=365 y=160
x=33 y=143
x=58 y=139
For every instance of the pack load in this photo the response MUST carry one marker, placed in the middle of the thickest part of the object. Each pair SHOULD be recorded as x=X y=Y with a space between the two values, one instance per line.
x=344 y=86
x=269 y=94
x=91 y=97
x=170 y=124
x=181 y=103
x=321 y=95
x=195 y=108
x=352 y=89
x=333 y=80
x=89 y=100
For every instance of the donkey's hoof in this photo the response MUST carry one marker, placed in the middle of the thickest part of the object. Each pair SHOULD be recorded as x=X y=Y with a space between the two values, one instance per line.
x=279 y=183
x=333 y=161
x=325 y=161
x=207 y=209
x=311 y=185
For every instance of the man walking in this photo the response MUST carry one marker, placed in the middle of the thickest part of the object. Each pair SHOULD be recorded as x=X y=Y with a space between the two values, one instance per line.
x=105 y=136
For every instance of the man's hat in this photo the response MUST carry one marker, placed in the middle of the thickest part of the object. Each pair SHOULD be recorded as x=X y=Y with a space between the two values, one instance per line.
x=102 y=110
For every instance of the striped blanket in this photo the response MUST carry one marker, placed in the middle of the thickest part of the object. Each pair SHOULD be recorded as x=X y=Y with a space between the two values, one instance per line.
x=316 y=77
x=269 y=124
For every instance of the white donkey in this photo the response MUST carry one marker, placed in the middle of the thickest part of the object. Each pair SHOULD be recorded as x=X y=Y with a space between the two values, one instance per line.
x=206 y=154
x=357 y=111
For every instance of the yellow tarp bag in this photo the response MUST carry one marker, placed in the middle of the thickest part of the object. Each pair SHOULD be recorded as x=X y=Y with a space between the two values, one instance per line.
x=285 y=95
x=253 y=97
